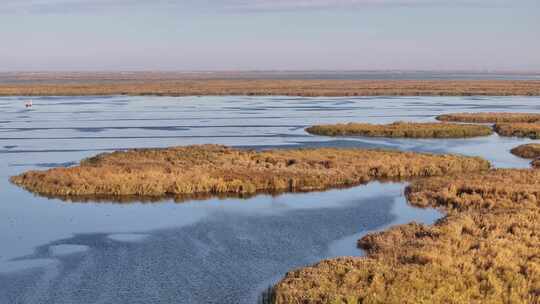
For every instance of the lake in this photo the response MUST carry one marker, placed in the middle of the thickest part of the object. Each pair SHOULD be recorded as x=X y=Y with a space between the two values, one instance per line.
x=206 y=251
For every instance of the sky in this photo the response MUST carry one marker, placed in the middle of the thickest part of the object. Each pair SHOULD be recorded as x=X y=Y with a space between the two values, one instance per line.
x=212 y=35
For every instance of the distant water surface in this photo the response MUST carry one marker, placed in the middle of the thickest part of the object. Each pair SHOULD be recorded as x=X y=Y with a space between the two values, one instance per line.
x=89 y=77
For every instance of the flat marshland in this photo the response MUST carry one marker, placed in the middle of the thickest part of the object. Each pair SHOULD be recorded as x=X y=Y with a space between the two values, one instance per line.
x=197 y=86
x=491 y=117
x=527 y=151
x=402 y=130
x=210 y=169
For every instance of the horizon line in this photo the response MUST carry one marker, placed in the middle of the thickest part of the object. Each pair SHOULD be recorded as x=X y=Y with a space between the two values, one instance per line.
x=180 y=71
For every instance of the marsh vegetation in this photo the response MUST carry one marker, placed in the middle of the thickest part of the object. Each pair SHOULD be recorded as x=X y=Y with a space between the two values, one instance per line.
x=195 y=86
x=490 y=117
x=506 y=124
x=529 y=151
x=529 y=130
x=402 y=130
x=217 y=169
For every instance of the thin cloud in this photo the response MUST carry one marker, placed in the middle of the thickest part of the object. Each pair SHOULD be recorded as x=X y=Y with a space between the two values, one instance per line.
x=315 y=4
x=82 y=6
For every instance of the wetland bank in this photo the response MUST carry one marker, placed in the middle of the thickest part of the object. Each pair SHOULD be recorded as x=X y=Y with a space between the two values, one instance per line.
x=277 y=83
x=211 y=250
x=212 y=169
x=484 y=250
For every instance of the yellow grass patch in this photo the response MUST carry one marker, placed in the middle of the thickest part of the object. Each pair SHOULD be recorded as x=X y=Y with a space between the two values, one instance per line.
x=108 y=85
x=506 y=124
x=402 y=129
x=530 y=130
x=527 y=151
x=490 y=117
x=213 y=169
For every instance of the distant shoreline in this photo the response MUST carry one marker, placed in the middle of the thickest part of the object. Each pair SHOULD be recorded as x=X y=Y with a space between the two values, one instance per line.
x=99 y=76
x=265 y=87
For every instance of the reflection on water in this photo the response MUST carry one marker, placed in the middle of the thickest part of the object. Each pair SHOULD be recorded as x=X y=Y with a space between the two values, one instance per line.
x=182 y=198
x=213 y=250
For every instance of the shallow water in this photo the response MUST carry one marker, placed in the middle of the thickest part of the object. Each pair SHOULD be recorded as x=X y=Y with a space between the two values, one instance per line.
x=211 y=251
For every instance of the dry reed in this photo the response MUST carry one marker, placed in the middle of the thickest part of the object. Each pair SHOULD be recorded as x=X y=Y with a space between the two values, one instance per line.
x=194 y=87
x=491 y=117
x=402 y=129
x=527 y=151
x=530 y=130
x=212 y=169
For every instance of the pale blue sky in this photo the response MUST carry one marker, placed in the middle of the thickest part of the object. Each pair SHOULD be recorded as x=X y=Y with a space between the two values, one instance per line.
x=269 y=35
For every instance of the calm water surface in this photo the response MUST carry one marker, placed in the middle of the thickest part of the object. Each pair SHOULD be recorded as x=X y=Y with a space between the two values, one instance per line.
x=211 y=251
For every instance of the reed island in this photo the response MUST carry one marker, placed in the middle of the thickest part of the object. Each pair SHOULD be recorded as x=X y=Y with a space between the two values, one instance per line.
x=402 y=130
x=214 y=169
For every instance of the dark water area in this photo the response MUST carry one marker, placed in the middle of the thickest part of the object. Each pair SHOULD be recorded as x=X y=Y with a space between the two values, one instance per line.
x=212 y=250
x=226 y=253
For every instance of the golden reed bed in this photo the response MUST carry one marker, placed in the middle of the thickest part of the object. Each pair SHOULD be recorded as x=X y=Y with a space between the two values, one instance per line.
x=193 y=87
x=486 y=250
x=212 y=169
x=530 y=151
x=529 y=130
x=506 y=124
x=402 y=130
x=491 y=117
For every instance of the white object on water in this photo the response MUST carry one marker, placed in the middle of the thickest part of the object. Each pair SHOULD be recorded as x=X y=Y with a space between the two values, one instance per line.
x=28 y=104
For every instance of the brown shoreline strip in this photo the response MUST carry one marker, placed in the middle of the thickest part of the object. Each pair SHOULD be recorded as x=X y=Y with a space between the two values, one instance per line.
x=506 y=124
x=213 y=169
x=529 y=130
x=491 y=117
x=487 y=249
x=402 y=130
x=197 y=87
x=530 y=151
